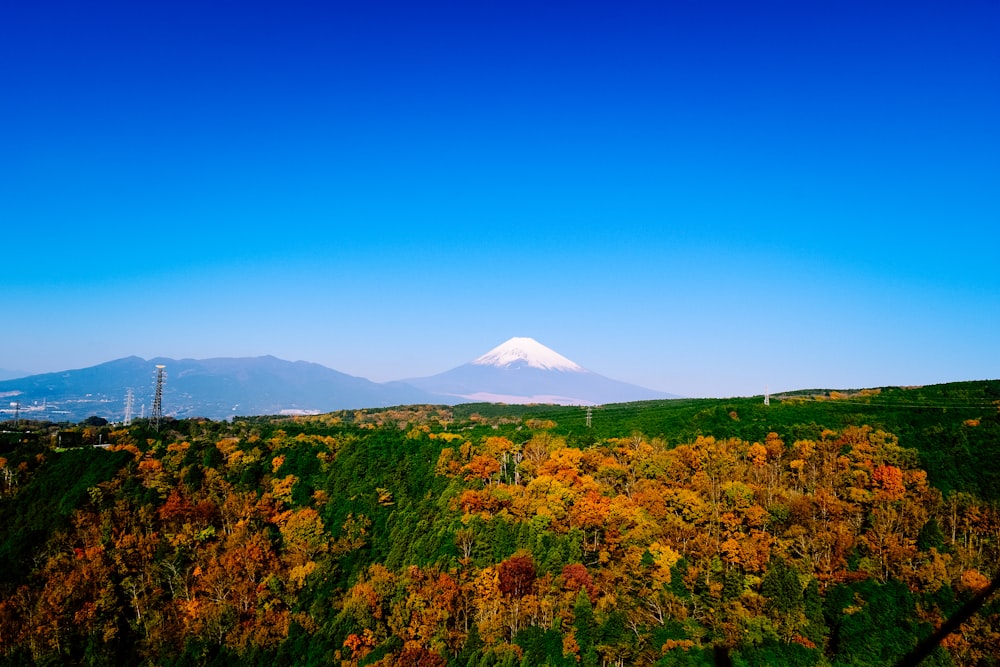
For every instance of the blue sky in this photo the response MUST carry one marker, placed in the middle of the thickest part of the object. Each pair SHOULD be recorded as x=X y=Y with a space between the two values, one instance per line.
x=698 y=197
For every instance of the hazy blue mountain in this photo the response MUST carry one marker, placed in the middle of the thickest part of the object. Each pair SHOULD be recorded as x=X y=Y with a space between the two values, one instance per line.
x=522 y=370
x=213 y=388
x=518 y=371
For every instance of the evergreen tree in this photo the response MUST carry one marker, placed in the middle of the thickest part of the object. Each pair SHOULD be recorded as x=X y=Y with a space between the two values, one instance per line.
x=583 y=629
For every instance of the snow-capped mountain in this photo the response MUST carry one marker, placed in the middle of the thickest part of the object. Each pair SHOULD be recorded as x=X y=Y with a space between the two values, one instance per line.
x=529 y=352
x=522 y=370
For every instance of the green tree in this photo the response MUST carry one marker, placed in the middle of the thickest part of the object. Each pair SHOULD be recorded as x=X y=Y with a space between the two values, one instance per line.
x=781 y=586
x=584 y=627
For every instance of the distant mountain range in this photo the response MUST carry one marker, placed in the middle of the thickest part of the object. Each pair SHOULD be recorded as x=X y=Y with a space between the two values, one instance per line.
x=213 y=388
x=518 y=371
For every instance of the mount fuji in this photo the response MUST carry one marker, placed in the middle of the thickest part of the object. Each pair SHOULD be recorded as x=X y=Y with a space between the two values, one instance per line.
x=522 y=370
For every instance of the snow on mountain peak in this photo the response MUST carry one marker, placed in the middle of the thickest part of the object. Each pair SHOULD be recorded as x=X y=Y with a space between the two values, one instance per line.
x=529 y=351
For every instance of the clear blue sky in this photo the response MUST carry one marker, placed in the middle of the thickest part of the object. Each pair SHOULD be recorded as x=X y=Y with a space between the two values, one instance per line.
x=699 y=197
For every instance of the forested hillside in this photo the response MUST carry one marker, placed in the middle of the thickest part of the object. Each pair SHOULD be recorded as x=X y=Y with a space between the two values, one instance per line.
x=823 y=529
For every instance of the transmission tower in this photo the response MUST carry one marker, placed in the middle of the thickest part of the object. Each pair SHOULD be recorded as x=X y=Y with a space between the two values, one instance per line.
x=588 y=416
x=129 y=404
x=767 y=396
x=157 y=414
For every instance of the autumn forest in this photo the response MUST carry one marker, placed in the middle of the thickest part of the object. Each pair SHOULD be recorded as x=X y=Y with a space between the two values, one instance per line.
x=827 y=528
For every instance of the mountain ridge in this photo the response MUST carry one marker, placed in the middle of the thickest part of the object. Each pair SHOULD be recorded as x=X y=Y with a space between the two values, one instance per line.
x=518 y=371
x=215 y=388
